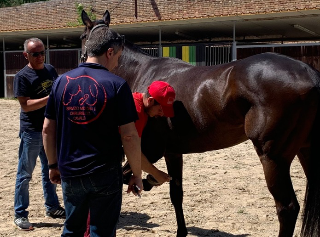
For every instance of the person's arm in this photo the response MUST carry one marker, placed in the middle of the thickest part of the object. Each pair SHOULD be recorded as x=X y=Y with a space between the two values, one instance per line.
x=28 y=104
x=148 y=167
x=131 y=145
x=49 y=143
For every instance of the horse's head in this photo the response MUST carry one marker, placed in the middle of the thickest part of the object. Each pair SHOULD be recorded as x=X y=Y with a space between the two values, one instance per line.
x=88 y=27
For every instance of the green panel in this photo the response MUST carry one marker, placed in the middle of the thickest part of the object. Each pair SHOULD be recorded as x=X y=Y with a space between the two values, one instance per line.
x=172 y=52
x=192 y=55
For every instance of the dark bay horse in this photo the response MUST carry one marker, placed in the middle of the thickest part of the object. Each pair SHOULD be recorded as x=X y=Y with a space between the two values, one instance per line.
x=271 y=99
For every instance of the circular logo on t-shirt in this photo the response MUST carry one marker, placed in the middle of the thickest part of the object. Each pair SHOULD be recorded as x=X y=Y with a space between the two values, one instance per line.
x=84 y=99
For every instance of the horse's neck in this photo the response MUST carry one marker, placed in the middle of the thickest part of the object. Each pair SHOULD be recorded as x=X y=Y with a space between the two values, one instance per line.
x=130 y=65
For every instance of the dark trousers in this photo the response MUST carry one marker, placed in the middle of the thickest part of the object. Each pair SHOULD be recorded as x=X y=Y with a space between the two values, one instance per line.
x=101 y=194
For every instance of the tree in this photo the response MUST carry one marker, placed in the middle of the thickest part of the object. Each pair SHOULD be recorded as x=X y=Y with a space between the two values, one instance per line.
x=13 y=3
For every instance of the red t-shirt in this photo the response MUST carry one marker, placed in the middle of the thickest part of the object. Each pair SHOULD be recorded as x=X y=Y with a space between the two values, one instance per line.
x=143 y=117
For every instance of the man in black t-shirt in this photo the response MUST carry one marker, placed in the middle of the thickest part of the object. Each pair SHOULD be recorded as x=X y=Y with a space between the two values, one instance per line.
x=90 y=115
x=32 y=86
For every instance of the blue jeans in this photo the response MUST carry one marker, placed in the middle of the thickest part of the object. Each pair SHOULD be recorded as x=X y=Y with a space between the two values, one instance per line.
x=101 y=193
x=30 y=148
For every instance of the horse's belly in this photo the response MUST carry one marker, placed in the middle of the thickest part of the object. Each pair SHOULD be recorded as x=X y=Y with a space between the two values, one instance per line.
x=205 y=141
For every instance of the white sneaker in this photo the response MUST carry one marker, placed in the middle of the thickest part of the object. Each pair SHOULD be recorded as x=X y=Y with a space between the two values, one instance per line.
x=23 y=223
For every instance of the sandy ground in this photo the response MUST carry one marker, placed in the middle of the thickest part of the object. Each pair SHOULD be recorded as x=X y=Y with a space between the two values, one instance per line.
x=225 y=194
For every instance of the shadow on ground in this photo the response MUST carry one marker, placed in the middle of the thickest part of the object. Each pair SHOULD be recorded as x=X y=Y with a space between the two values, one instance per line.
x=139 y=221
x=46 y=224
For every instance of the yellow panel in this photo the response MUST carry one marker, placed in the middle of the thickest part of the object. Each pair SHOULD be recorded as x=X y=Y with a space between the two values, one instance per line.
x=165 y=52
x=185 y=53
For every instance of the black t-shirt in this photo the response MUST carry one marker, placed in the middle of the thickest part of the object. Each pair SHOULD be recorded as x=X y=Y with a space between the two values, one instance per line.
x=35 y=84
x=89 y=104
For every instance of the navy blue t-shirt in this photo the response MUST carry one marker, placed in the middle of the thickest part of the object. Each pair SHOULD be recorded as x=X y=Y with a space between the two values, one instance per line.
x=35 y=84
x=89 y=104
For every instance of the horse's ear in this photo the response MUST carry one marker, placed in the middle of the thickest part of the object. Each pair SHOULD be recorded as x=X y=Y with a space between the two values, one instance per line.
x=86 y=20
x=106 y=18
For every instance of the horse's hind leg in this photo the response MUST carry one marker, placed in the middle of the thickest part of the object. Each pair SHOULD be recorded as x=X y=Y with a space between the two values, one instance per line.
x=304 y=158
x=277 y=174
x=174 y=166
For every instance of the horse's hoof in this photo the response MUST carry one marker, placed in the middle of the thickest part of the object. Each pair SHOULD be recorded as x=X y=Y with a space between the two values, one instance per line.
x=152 y=180
x=183 y=233
x=146 y=185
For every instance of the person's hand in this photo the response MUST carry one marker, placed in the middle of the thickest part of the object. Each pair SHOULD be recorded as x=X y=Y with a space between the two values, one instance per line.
x=54 y=176
x=161 y=177
x=135 y=185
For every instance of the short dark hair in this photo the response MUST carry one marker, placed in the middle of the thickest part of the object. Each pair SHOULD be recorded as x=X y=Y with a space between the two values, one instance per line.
x=101 y=38
x=34 y=40
x=147 y=95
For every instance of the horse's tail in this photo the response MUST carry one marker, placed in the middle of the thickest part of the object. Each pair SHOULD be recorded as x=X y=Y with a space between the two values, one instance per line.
x=311 y=212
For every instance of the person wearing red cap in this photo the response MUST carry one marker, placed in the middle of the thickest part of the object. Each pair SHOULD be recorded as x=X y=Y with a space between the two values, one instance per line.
x=156 y=101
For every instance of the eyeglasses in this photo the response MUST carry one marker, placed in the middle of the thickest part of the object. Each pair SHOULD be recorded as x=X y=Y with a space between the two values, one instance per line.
x=121 y=38
x=118 y=40
x=36 y=54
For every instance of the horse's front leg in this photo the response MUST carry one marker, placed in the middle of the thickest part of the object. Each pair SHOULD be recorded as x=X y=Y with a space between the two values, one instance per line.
x=174 y=166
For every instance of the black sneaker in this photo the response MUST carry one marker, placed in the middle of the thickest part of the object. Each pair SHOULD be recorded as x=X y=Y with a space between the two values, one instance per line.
x=23 y=223
x=58 y=213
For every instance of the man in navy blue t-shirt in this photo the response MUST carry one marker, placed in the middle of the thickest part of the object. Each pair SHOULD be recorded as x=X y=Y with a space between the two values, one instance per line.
x=89 y=117
x=32 y=86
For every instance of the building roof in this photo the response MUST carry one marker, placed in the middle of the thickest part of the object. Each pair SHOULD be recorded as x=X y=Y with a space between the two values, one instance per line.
x=179 y=20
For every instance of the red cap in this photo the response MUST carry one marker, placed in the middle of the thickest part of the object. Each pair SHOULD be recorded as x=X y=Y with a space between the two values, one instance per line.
x=164 y=94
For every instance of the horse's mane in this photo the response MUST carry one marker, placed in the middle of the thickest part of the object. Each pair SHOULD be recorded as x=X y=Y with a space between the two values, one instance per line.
x=135 y=47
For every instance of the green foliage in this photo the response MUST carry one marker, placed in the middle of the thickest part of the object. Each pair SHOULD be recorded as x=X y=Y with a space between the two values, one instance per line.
x=14 y=3
x=79 y=8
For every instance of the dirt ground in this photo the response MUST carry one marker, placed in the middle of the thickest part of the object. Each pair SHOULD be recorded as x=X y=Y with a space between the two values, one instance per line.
x=225 y=194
